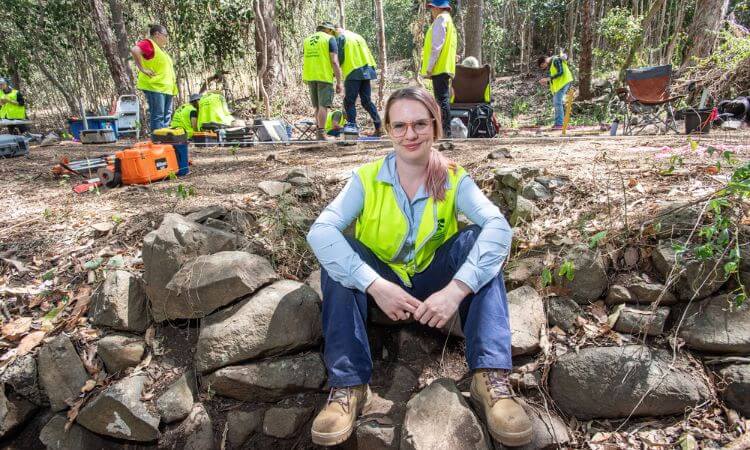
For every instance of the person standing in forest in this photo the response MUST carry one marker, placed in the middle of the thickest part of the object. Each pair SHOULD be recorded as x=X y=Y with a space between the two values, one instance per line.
x=156 y=76
x=319 y=66
x=358 y=68
x=439 y=57
x=559 y=80
x=12 y=106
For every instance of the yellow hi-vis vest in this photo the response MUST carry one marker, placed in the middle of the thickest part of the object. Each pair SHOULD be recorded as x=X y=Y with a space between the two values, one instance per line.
x=12 y=110
x=181 y=119
x=565 y=78
x=446 y=62
x=212 y=108
x=316 y=64
x=356 y=53
x=383 y=228
x=164 y=80
x=329 y=120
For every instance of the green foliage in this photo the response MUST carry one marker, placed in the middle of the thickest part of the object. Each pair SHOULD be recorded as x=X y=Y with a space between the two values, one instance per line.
x=546 y=277
x=619 y=28
x=567 y=270
x=595 y=239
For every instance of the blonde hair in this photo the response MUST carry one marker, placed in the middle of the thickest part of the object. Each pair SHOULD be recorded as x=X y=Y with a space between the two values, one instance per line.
x=438 y=165
x=470 y=61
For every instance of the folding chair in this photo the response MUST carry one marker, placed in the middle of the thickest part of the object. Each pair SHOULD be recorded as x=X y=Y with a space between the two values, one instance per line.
x=471 y=88
x=306 y=128
x=127 y=111
x=647 y=100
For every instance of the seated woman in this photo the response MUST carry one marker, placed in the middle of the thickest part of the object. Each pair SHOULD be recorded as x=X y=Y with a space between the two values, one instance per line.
x=411 y=259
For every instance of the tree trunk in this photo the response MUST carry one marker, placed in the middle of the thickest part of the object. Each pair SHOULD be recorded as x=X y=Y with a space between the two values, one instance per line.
x=417 y=33
x=15 y=75
x=121 y=75
x=572 y=23
x=473 y=25
x=260 y=32
x=382 y=54
x=65 y=92
x=707 y=20
x=638 y=42
x=121 y=33
x=271 y=42
x=459 y=15
x=342 y=13
x=587 y=38
x=676 y=33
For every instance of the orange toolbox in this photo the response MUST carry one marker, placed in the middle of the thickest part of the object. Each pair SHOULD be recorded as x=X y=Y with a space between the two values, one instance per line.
x=146 y=162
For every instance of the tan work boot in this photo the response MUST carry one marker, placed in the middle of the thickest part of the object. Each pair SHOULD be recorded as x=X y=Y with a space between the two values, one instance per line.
x=335 y=423
x=506 y=420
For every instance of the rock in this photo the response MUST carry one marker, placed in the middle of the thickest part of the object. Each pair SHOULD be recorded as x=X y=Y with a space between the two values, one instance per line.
x=439 y=418
x=680 y=221
x=529 y=172
x=500 y=153
x=300 y=181
x=120 y=303
x=372 y=435
x=550 y=432
x=696 y=280
x=269 y=380
x=177 y=401
x=102 y=228
x=416 y=344
x=199 y=429
x=284 y=423
x=589 y=275
x=737 y=392
x=612 y=382
x=512 y=180
x=209 y=282
x=55 y=437
x=61 y=372
x=618 y=294
x=298 y=172
x=118 y=412
x=241 y=425
x=641 y=320
x=527 y=318
x=510 y=196
x=281 y=318
x=524 y=211
x=635 y=289
x=219 y=225
x=210 y=212
x=120 y=351
x=14 y=411
x=521 y=271
x=717 y=325
x=274 y=188
x=314 y=282
x=166 y=249
x=500 y=172
x=562 y=312
x=535 y=191
x=551 y=183
x=21 y=375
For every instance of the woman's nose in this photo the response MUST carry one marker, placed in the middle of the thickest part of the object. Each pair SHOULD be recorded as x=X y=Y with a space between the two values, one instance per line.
x=410 y=133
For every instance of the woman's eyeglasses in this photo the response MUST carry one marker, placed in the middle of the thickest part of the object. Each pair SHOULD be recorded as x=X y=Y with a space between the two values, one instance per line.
x=423 y=126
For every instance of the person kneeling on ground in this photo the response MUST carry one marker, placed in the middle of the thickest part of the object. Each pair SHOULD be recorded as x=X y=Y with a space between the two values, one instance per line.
x=334 y=123
x=186 y=116
x=410 y=258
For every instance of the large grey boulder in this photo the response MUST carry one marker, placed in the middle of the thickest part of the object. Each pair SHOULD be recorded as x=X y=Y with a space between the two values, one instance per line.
x=21 y=375
x=118 y=412
x=198 y=428
x=241 y=425
x=737 y=392
x=56 y=437
x=694 y=279
x=61 y=372
x=119 y=351
x=615 y=382
x=120 y=303
x=589 y=275
x=14 y=411
x=177 y=401
x=439 y=418
x=269 y=380
x=168 y=248
x=209 y=282
x=550 y=432
x=278 y=319
x=634 y=289
x=284 y=423
x=642 y=320
x=717 y=325
x=527 y=319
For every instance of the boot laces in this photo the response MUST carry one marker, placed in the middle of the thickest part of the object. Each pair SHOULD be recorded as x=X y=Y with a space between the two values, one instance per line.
x=342 y=396
x=498 y=384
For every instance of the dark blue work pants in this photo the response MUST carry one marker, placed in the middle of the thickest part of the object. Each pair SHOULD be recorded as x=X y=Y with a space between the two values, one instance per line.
x=361 y=88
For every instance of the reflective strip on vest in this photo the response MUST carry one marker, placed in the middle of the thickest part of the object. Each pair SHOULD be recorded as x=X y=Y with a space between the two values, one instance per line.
x=446 y=62
x=559 y=82
x=164 y=80
x=212 y=108
x=181 y=119
x=316 y=64
x=383 y=228
x=12 y=111
x=356 y=53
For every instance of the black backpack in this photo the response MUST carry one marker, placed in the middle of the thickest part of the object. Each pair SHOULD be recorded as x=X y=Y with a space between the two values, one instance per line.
x=481 y=124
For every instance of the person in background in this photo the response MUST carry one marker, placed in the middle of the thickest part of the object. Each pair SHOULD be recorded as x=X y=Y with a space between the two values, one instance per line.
x=559 y=81
x=439 y=57
x=358 y=68
x=320 y=65
x=334 y=123
x=12 y=106
x=156 y=75
x=186 y=116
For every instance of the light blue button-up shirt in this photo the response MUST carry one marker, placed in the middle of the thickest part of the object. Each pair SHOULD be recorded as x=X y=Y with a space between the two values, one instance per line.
x=346 y=267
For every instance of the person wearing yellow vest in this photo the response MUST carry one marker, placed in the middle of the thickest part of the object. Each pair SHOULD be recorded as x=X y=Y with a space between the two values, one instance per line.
x=186 y=116
x=358 y=68
x=439 y=57
x=320 y=65
x=410 y=258
x=156 y=76
x=559 y=80
x=12 y=106
x=213 y=112
x=334 y=123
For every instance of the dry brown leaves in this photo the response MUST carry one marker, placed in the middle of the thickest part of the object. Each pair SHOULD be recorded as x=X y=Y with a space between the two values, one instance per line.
x=29 y=342
x=15 y=329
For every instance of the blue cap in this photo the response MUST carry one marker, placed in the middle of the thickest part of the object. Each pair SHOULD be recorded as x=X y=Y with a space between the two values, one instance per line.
x=439 y=3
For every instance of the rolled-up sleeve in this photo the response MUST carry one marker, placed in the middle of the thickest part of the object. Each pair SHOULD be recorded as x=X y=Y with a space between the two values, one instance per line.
x=492 y=246
x=327 y=240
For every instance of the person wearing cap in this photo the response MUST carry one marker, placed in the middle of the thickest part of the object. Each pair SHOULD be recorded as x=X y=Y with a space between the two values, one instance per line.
x=358 y=68
x=439 y=57
x=319 y=67
x=560 y=79
x=186 y=116
x=156 y=75
x=12 y=106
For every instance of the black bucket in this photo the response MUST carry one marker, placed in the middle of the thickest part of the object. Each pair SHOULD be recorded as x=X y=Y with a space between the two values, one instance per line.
x=696 y=121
